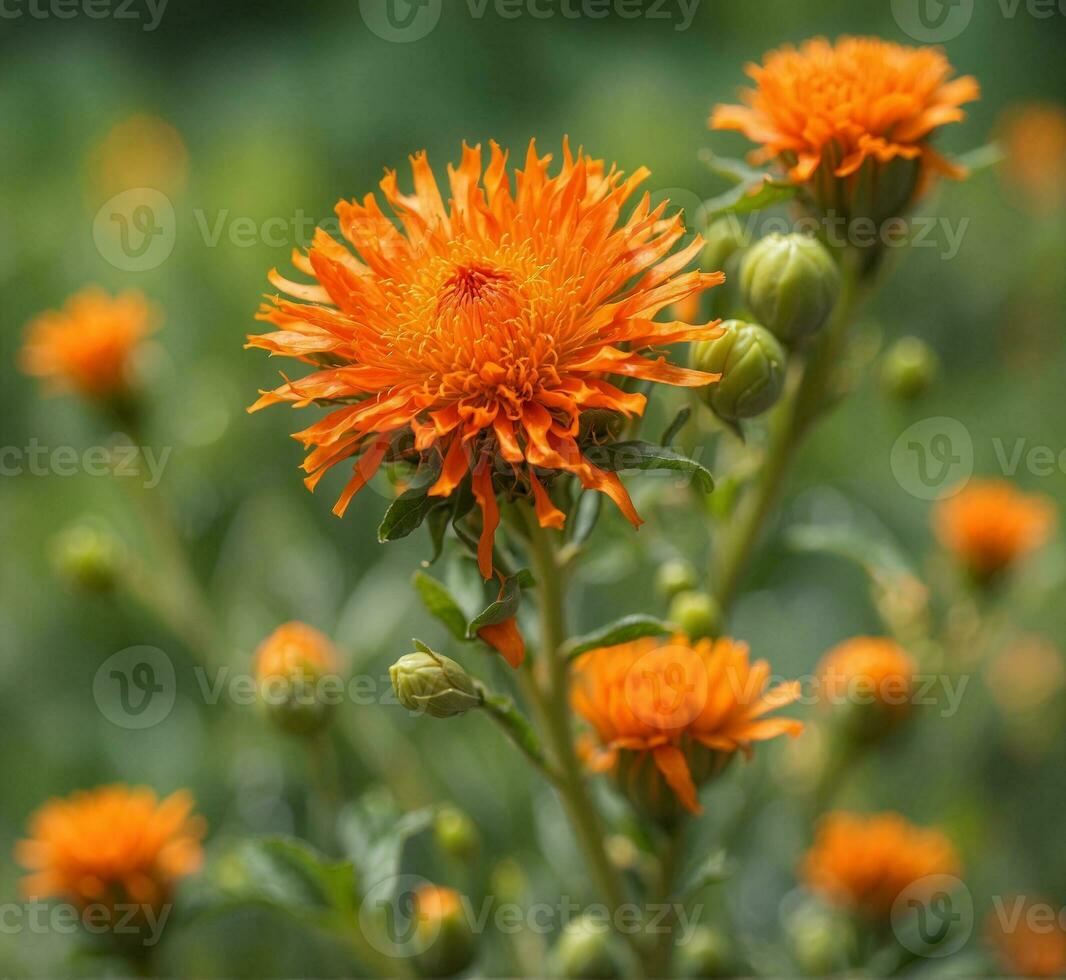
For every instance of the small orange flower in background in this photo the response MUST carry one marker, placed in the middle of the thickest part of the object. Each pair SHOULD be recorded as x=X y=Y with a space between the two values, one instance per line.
x=1033 y=138
x=296 y=649
x=1026 y=675
x=865 y=862
x=865 y=670
x=1028 y=938
x=991 y=524
x=141 y=150
x=685 y=707
x=824 y=110
x=485 y=329
x=89 y=345
x=112 y=845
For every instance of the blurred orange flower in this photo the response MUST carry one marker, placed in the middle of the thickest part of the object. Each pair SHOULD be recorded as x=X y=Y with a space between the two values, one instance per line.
x=1026 y=674
x=686 y=707
x=296 y=648
x=1034 y=141
x=484 y=330
x=1028 y=939
x=141 y=150
x=823 y=110
x=865 y=669
x=990 y=524
x=111 y=845
x=865 y=862
x=88 y=346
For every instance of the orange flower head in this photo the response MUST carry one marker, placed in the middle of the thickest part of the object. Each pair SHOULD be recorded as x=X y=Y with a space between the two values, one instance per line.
x=111 y=846
x=675 y=711
x=88 y=346
x=474 y=340
x=866 y=671
x=825 y=111
x=990 y=525
x=296 y=649
x=1028 y=938
x=1034 y=141
x=864 y=863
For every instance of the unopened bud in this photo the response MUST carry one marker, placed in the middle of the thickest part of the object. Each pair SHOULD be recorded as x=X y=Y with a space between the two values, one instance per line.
x=88 y=556
x=909 y=369
x=708 y=953
x=695 y=613
x=751 y=362
x=443 y=936
x=791 y=285
x=722 y=239
x=291 y=666
x=822 y=942
x=455 y=834
x=584 y=951
x=674 y=577
x=428 y=682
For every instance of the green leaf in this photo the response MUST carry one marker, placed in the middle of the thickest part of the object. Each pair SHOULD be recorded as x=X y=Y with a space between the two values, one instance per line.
x=745 y=198
x=981 y=158
x=504 y=608
x=437 y=522
x=676 y=426
x=735 y=171
x=587 y=512
x=620 y=456
x=374 y=832
x=441 y=604
x=620 y=631
x=877 y=555
x=409 y=510
x=712 y=871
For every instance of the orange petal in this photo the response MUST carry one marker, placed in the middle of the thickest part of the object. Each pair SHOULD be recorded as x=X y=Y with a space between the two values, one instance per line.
x=490 y=516
x=670 y=761
x=547 y=513
x=505 y=638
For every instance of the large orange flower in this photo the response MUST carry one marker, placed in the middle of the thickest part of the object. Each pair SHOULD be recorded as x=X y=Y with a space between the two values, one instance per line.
x=688 y=708
x=832 y=107
x=88 y=345
x=990 y=524
x=483 y=330
x=866 y=862
x=111 y=845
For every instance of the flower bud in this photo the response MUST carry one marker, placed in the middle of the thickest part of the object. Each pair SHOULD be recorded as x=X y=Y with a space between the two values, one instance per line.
x=88 y=556
x=791 y=284
x=822 y=942
x=751 y=362
x=707 y=953
x=695 y=613
x=426 y=681
x=455 y=834
x=909 y=369
x=584 y=951
x=674 y=577
x=291 y=666
x=443 y=936
x=723 y=238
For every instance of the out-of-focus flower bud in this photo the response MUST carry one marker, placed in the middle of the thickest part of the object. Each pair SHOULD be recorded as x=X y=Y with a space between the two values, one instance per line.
x=674 y=577
x=723 y=238
x=791 y=285
x=909 y=369
x=822 y=942
x=426 y=681
x=639 y=780
x=455 y=833
x=751 y=362
x=89 y=556
x=708 y=953
x=443 y=935
x=292 y=666
x=584 y=951
x=695 y=613
x=508 y=881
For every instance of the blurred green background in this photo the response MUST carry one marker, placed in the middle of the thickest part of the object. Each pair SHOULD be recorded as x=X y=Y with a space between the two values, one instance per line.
x=282 y=109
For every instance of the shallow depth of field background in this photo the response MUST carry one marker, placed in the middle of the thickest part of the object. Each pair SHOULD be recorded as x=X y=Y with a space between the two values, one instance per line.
x=285 y=108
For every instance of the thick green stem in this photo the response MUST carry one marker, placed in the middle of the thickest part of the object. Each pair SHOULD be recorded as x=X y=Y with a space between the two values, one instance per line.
x=670 y=854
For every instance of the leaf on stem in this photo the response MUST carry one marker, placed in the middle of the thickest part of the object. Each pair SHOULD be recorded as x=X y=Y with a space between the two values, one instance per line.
x=620 y=631
x=619 y=456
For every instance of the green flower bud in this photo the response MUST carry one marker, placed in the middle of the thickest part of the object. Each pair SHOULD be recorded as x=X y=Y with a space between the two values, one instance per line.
x=426 y=681
x=508 y=881
x=88 y=556
x=708 y=953
x=584 y=951
x=674 y=577
x=909 y=369
x=722 y=239
x=751 y=362
x=822 y=942
x=455 y=833
x=791 y=284
x=443 y=936
x=695 y=613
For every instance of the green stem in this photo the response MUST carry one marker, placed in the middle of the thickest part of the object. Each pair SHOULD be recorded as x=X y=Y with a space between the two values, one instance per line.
x=671 y=852
x=503 y=712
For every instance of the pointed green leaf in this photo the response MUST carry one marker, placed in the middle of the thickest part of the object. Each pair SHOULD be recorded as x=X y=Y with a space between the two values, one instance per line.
x=712 y=871
x=409 y=510
x=587 y=512
x=441 y=604
x=504 y=608
x=620 y=456
x=981 y=158
x=676 y=426
x=620 y=631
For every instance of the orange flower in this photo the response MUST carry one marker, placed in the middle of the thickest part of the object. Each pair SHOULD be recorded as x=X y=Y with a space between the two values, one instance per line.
x=685 y=707
x=990 y=524
x=868 y=669
x=826 y=109
x=866 y=862
x=1034 y=140
x=112 y=845
x=88 y=345
x=1029 y=939
x=296 y=649
x=485 y=329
